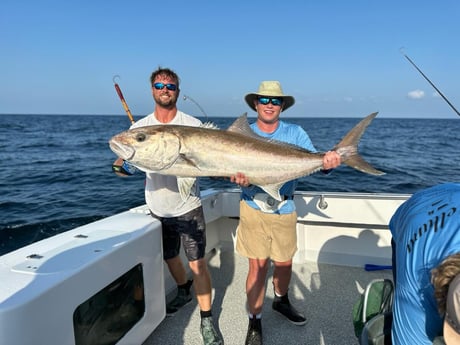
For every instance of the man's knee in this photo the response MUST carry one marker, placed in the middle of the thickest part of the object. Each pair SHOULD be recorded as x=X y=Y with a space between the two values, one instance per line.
x=198 y=267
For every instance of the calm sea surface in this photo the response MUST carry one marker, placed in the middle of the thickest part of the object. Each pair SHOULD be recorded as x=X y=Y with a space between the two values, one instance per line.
x=56 y=170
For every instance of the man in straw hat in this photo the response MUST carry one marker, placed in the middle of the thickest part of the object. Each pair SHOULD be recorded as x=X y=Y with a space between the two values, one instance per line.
x=267 y=228
x=426 y=267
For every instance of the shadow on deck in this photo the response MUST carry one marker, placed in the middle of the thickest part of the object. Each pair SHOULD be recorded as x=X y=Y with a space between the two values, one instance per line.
x=324 y=293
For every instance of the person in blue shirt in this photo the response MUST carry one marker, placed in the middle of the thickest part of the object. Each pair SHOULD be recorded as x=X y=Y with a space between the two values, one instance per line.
x=426 y=267
x=267 y=227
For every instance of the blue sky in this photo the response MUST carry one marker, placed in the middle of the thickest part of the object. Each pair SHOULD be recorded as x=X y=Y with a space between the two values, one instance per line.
x=336 y=57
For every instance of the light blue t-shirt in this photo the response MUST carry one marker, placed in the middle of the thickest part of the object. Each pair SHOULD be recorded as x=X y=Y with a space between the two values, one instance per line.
x=426 y=230
x=288 y=133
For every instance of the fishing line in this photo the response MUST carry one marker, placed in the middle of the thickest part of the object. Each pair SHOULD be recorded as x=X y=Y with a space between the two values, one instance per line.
x=418 y=69
x=122 y=99
x=197 y=104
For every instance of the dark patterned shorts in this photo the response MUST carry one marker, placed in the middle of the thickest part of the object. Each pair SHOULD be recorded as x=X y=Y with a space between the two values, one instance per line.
x=190 y=228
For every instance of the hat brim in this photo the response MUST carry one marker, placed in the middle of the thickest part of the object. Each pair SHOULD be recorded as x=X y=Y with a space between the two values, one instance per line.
x=288 y=101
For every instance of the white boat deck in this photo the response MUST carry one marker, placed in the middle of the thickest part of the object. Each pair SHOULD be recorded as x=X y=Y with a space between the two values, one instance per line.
x=320 y=288
x=65 y=276
x=325 y=293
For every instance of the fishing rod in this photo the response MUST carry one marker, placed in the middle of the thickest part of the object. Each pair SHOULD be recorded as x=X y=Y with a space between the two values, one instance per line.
x=120 y=166
x=122 y=99
x=424 y=76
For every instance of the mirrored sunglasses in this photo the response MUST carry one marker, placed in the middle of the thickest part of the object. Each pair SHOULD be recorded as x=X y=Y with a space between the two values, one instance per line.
x=275 y=101
x=161 y=86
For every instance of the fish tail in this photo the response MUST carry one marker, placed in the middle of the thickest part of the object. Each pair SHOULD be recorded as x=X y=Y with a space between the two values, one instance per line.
x=347 y=148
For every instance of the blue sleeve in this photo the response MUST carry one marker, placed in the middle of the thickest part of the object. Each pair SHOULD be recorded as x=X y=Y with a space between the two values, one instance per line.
x=295 y=135
x=305 y=141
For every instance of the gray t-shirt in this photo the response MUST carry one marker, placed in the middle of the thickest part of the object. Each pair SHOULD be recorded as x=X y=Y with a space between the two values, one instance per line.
x=161 y=191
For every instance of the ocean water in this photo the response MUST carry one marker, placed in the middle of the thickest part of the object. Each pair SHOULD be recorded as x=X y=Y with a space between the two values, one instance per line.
x=56 y=170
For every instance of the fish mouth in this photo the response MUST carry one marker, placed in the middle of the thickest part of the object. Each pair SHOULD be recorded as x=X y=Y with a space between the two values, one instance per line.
x=123 y=151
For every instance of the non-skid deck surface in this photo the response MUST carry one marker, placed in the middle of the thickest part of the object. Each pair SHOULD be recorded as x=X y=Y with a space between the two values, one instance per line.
x=324 y=293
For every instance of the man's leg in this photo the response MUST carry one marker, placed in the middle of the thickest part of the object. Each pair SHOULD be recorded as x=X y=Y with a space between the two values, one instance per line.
x=255 y=284
x=183 y=297
x=177 y=270
x=253 y=241
x=255 y=292
x=203 y=292
x=193 y=233
x=171 y=248
x=202 y=283
x=281 y=278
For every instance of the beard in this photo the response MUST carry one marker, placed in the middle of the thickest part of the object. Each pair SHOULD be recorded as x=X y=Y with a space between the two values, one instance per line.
x=166 y=102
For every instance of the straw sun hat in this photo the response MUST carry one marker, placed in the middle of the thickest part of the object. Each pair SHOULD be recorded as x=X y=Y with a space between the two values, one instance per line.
x=270 y=89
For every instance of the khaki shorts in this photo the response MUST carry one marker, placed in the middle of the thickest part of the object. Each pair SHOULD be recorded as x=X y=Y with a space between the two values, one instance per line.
x=263 y=235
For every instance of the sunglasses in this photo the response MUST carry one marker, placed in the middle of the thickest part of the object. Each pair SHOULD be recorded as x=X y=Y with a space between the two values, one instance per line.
x=161 y=86
x=265 y=100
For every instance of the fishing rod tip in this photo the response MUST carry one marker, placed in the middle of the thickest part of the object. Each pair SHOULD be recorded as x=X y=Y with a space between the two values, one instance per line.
x=115 y=77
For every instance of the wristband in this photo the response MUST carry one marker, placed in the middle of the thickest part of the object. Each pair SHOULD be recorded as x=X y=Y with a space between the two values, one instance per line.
x=126 y=168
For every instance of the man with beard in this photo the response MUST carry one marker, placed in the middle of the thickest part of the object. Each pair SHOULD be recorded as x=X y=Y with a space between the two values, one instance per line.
x=182 y=220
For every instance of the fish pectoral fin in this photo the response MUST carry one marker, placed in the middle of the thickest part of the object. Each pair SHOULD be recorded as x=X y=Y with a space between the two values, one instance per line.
x=185 y=185
x=273 y=190
x=184 y=159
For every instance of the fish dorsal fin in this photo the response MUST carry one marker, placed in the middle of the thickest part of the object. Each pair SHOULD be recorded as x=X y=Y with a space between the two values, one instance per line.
x=241 y=125
x=209 y=125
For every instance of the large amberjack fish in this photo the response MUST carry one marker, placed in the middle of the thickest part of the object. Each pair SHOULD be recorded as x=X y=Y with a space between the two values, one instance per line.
x=189 y=152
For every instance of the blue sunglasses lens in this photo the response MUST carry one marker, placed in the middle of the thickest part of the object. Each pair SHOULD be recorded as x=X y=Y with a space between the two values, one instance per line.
x=160 y=86
x=274 y=101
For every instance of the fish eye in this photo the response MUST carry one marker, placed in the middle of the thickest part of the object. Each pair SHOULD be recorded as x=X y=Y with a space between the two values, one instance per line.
x=140 y=137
